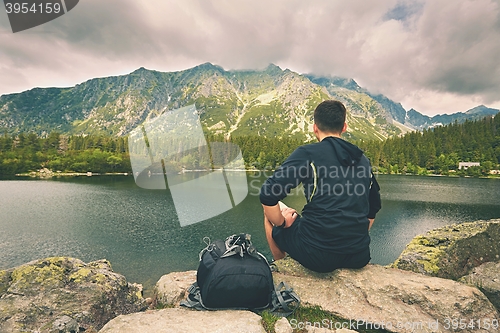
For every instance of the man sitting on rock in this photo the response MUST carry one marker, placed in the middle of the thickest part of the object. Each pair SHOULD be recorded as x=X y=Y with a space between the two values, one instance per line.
x=342 y=199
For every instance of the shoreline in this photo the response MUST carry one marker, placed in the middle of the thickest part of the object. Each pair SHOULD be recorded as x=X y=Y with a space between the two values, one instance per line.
x=50 y=174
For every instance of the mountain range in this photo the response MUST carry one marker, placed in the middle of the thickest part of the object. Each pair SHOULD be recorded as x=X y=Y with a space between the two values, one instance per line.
x=272 y=102
x=420 y=121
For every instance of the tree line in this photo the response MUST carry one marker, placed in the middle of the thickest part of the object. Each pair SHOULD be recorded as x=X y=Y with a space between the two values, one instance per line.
x=437 y=150
x=28 y=152
x=24 y=153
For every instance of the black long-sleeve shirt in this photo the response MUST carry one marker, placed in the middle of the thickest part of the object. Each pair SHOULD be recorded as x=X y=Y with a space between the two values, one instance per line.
x=340 y=190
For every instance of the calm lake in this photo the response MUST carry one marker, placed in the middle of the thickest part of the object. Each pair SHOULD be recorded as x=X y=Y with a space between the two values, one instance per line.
x=138 y=231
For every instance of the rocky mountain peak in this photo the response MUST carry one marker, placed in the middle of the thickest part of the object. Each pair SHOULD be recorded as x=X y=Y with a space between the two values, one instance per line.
x=277 y=102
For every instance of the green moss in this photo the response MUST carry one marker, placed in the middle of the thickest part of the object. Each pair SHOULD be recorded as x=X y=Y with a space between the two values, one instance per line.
x=430 y=266
x=58 y=261
x=415 y=243
x=4 y=281
x=451 y=251
x=134 y=295
x=50 y=275
x=100 y=264
x=22 y=273
x=429 y=251
x=99 y=278
x=45 y=274
x=420 y=240
x=315 y=316
x=137 y=293
x=268 y=321
x=80 y=275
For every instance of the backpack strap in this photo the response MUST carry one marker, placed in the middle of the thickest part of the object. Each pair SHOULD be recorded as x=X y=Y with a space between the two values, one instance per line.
x=239 y=245
x=193 y=299
x=284 y=302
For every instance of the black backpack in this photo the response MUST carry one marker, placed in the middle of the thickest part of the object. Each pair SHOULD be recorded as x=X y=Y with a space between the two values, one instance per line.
x=232 y=274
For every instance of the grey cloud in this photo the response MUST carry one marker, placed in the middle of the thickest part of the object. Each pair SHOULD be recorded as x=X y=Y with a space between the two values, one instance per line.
x=197 y=29
x=464 y=40
x=389 y=46
x=114 y=29
x=449 y=47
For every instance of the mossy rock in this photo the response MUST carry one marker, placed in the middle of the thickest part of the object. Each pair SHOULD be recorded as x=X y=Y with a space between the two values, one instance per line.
x=60 y=293
x=42 y=275
x=452 y=251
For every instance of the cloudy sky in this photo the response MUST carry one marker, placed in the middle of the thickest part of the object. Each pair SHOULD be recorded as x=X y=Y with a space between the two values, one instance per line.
x=436 y=56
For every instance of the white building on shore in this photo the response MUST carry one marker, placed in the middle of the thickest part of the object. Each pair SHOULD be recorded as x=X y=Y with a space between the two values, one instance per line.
x=466 y=165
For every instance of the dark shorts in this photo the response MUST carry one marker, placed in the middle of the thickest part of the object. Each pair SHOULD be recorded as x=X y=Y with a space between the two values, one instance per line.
x=317 y=260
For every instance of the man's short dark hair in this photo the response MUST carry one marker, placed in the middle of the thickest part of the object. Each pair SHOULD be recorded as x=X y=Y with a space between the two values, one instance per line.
x=329 y=116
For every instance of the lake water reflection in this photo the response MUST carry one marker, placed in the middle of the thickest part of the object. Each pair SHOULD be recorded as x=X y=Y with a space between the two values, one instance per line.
x=137 y=230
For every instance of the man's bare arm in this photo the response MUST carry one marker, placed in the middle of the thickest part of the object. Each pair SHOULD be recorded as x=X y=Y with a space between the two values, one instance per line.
x=371 y=223
x=277 y=216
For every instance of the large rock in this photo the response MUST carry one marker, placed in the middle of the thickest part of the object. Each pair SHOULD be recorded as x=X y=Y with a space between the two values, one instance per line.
x=487 y=278
x=283 y=326
x=173 y=320
x=63 y=294
x=452 y=251
x=186 y=321
x=399 y=301
x=172 y=288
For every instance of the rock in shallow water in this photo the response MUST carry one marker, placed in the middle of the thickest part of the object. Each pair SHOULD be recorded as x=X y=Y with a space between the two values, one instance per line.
x=452 y=251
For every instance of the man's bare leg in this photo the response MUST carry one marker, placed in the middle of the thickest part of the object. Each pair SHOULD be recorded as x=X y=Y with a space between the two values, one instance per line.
x=275 y=250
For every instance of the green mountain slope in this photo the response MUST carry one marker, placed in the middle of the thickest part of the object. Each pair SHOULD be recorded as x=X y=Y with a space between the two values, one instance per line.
x=270 y=103
x=365 y=109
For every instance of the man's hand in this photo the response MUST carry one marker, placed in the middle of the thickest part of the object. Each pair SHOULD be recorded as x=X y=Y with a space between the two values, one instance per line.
x=290 y=215
x=277 y=214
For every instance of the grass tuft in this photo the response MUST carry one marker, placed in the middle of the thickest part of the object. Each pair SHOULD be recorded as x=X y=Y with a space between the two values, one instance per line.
x=312 y=316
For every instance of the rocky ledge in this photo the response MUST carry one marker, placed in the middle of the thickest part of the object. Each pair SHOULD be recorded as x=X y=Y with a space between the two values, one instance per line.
x=393 y=299
x=66 y=295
